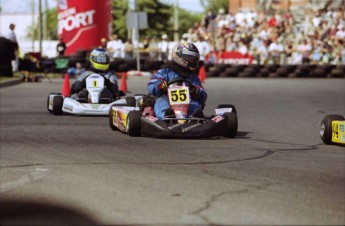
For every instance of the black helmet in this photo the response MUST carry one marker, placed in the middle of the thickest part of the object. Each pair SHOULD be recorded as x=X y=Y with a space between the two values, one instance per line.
x=186 y=58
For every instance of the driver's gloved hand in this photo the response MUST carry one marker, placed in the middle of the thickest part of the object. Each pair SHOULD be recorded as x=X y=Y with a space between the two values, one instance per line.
x=193 y=90
x=163 y=87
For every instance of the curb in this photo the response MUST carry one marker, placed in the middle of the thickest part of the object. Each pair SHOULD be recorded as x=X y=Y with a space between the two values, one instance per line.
x=11 y=82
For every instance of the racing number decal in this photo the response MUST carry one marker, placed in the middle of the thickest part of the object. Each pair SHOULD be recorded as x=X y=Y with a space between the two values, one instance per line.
x=94 y=83
x=179 y=95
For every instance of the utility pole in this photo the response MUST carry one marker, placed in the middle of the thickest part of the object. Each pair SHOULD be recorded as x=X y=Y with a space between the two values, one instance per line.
x=33 y=22
x=176 y=22
x=135 y=35
x=40 y=30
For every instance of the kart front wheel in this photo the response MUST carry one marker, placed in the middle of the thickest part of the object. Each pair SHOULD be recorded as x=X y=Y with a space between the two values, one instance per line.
x=57 y=105
x=134 y=123
x=232 y=124
x=326 y=127
x=111 y=119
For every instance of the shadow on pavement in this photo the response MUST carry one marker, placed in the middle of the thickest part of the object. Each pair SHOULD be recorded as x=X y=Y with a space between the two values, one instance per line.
x=15 y=212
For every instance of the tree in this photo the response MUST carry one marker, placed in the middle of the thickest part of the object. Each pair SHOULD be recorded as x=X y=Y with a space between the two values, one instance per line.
x=215 y=5
x=160 y=18
x=32 y=31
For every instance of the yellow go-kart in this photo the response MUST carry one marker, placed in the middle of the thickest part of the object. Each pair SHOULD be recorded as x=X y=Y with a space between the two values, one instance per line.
x=332 y=129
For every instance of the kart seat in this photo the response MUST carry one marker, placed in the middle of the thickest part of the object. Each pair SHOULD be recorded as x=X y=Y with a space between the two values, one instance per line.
x=148 y=101
x=82 y=97
x=105 y=98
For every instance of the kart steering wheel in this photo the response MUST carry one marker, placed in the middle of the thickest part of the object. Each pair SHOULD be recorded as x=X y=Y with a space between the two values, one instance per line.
x=177 y=80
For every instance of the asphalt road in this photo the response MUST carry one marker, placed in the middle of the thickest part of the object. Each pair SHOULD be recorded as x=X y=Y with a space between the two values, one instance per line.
x=76 y=170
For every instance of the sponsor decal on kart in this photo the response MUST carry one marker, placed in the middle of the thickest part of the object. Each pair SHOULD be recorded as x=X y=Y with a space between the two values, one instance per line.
x=221 y=111
x=68 y=107
x=341 y=128
x=95 y=106
x=217 y=118
x=120 y=121
x=190 y=127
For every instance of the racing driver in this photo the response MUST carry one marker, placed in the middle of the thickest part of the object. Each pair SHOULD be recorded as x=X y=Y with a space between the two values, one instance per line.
x=185 y=60
x=99 y=60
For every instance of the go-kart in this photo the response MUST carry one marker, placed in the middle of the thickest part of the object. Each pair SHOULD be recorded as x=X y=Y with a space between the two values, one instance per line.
x=332 y=129
x=140 y=120
x=94 y=100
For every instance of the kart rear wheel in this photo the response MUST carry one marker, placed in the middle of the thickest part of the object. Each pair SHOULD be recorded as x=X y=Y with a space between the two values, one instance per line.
x=228 y=106
x=134 y=123
x=111 y=119
x=131 y=101
x=57 y=105
x=232 y=124
x=326 y=127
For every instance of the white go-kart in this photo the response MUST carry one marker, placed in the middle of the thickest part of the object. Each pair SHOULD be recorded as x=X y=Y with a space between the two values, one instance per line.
x=93 y=102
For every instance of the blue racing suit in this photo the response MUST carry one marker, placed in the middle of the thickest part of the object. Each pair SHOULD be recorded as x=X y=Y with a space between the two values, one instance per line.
x=162 y=102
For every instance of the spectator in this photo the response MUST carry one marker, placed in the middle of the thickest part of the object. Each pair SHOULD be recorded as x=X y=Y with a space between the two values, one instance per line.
x=164 y=47
x=154 y=48
x=146 y=43
x=61 y=48
x=13 y=38
x=340 y=35
x=316 y=53
x=275 y=49
x=115 y=47
x=75 y=71
x=204 y=48
x=289 y=48
x=342 y=42
x=28 y=66
x=209 y=18
x=104 y=43
x=129 y=49
x=305 y=49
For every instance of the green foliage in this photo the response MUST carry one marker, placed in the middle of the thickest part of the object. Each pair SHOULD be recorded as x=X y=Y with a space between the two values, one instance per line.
x=215 y=5
x=160 y=18
x=32 y=31
x=120 y=8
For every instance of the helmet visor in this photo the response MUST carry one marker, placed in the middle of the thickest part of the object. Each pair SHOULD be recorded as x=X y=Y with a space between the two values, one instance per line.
x=100 y=59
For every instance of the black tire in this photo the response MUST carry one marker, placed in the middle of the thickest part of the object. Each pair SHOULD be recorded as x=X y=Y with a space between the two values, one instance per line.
x=131 y=101
x=57 y=105
x=232 y=124
x=48 y=100
x=134 y=123
x=111 y=117
x=227 y=106
x=326 y=127
x=50 y=111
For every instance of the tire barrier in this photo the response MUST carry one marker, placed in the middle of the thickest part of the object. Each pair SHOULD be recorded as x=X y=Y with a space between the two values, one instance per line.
x=275 y=71
x=212 y=70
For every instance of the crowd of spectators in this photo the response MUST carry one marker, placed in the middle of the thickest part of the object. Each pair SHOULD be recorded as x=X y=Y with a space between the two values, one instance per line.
x=269 y=39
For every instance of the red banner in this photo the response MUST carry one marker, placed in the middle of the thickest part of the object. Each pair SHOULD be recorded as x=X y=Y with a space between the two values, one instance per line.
x=228 y=58
x=82 y=24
